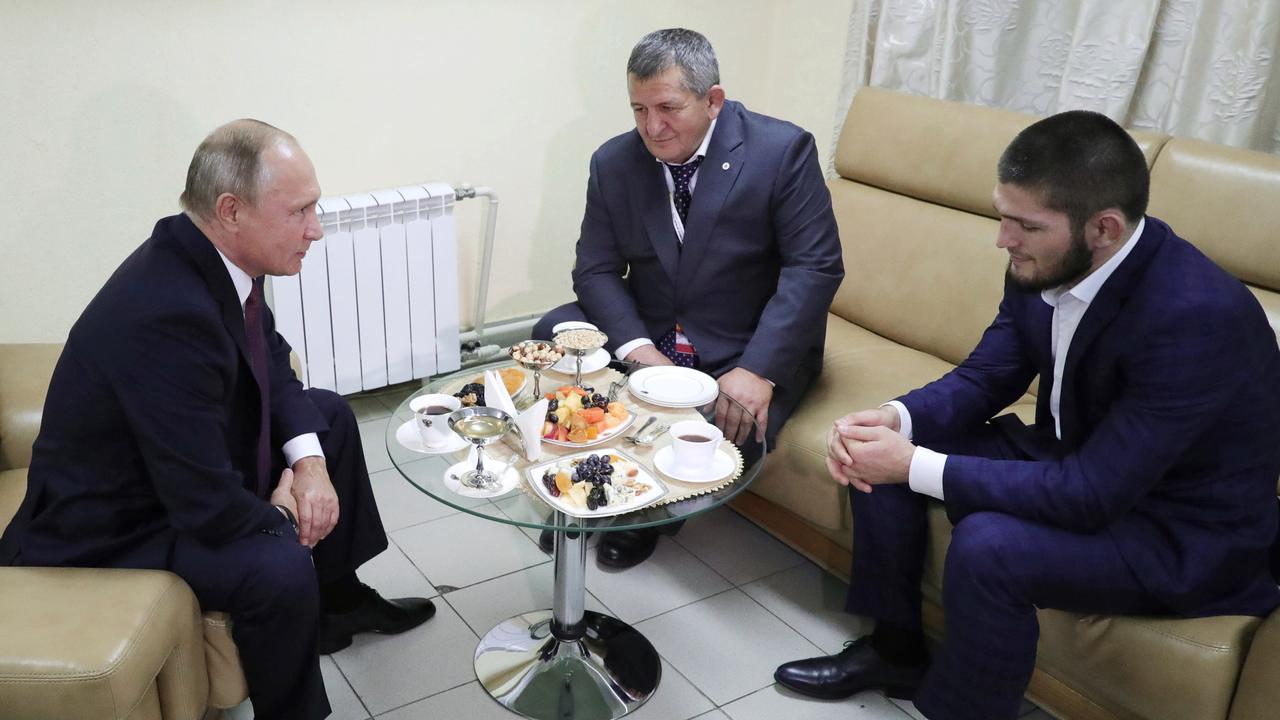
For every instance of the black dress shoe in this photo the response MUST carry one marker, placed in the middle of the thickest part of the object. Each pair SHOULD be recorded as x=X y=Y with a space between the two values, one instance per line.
x=547 y=539
x=373 y=614
x=626 y=548
x=856 y=668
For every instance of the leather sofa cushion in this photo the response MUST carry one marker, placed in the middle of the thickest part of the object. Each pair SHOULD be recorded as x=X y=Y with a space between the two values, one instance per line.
x=13 y=487
x=1258 y=695
x=897 y=142
x=227 y=686
x=861 y=370
x=90 y=643
x=1212 y=196
x=1148 y=667
x=25 y=370
x=925 y=276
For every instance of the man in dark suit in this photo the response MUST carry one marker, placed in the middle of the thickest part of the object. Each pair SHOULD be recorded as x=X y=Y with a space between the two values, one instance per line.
x=176 y=436
x=1147 y=484
x=708 y=242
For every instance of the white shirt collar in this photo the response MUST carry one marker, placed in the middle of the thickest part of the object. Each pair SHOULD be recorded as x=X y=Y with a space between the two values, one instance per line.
x=239 y=278
x=702 y=149
x=1087 y=289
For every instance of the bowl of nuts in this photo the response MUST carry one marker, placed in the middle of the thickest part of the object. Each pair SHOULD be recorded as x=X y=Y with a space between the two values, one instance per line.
x=536 y=355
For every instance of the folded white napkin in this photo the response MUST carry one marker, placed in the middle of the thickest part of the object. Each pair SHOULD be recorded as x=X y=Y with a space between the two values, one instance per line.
x=530 y=421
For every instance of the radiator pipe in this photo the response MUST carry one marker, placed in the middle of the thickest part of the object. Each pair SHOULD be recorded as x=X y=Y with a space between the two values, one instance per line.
x=464 y=192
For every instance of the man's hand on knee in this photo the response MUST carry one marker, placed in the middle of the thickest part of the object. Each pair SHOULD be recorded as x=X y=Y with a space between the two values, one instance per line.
x=877 y=454
x=754 y=394
x=317 y=501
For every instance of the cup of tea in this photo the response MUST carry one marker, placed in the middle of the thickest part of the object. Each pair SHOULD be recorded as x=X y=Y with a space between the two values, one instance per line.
x=694 y=444
x=431 y=415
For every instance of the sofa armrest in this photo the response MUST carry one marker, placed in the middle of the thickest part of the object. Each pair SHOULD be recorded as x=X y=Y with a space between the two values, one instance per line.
x=95 y=643
x=25 y=370
x=1258 y=694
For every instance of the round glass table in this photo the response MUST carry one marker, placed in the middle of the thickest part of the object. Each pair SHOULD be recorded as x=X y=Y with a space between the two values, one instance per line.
x=565 y=661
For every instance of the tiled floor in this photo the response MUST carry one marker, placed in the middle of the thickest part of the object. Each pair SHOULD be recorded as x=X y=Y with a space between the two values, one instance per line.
x=722 y=601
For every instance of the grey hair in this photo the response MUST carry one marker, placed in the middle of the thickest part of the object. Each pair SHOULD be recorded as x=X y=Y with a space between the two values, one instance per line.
x=229 y=160
x=688 y=50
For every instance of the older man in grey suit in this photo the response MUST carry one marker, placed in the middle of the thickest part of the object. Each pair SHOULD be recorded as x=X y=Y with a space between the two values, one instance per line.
x=708 y=242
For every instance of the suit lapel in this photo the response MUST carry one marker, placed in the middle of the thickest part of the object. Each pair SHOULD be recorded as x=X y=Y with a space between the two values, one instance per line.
x=716 y=177
x=655 y=208
x=215 y=274
x=1106 y=305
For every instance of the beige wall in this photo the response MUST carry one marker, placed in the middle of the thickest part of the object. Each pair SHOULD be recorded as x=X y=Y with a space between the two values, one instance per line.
x=104 y=103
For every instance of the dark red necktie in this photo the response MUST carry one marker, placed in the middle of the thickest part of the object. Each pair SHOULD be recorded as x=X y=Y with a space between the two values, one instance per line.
x=256 y=336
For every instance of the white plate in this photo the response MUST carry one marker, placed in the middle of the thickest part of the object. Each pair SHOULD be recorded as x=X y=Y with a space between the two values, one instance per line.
x=671 y=386
x=567 y=365
x=508 y=480
x=722 y=465
x=656 y=488
x=631 y=417
x=407 y=435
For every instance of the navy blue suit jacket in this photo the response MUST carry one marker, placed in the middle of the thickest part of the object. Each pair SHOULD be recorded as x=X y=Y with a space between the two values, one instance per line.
x=1170 y=411
x=760 y=261
x=151 y=422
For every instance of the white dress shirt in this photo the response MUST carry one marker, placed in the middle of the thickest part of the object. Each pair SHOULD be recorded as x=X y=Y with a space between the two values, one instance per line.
x=1069 y=306
x=625 y=349
x=306 y=444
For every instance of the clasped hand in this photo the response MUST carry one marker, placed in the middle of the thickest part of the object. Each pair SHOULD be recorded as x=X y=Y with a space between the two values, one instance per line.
x=309 y=495
x=864 y=449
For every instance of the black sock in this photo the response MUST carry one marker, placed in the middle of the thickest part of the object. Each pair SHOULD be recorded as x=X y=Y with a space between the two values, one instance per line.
x=899 y=645
x=341 y=595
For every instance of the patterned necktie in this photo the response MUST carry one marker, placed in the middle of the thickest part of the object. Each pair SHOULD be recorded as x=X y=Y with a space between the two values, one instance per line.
x=256 y=336
x=680 y=177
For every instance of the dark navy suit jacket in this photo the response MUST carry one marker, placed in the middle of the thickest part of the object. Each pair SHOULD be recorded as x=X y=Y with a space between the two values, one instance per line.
x=1170 y=411
x=760 y=261
x=151 y=422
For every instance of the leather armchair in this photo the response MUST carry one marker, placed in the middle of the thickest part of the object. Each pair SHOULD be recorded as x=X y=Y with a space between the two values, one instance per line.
x=84 y=643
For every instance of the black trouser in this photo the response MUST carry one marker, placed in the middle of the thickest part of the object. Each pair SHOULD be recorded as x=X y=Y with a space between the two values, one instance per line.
x=268 y=583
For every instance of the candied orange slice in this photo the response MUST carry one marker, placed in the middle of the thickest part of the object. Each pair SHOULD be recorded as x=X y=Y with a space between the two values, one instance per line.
x=618 y=410
x=563 y=481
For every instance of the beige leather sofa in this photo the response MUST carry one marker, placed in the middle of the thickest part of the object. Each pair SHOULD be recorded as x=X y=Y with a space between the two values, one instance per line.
x=912 y=196
x=87 y=644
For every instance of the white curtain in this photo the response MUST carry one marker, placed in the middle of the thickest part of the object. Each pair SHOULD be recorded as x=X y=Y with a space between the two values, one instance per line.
x=1197 y=68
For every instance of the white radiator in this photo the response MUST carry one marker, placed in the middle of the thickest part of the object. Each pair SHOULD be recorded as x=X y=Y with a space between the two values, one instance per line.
x=376 y=302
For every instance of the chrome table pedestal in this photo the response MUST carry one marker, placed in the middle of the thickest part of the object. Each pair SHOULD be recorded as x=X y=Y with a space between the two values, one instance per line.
x=568 y=663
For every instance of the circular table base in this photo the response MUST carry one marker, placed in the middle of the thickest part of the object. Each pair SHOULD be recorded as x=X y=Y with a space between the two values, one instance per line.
x=609 y=672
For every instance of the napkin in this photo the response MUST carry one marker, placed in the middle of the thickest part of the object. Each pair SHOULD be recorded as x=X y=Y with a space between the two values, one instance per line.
x=530 y=421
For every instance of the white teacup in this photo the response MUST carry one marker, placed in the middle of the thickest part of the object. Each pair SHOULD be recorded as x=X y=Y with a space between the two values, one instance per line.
x=431 y=413
x=694 y=444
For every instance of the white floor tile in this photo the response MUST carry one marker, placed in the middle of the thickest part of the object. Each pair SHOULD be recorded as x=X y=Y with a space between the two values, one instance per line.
x=669 y=579
x=713 y=715
x=727 y=645
x=486 y=604
x=467 y=702
x=367 y=407
x=775 y=702
x=812 y=602
x=734 y=547
x=393 y=576
x=909 y=708
x=401 y=504
x=522 y=508
x=343 y=700
x=243 y=711
x=676 y=699
x=462 y=549
x=388 y=671
x=373 y=436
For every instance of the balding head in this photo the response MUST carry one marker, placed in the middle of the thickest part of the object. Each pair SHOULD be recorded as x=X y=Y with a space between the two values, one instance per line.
x=230 y=161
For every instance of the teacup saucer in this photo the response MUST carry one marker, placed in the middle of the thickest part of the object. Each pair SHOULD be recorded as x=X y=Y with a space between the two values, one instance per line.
x=508 y=480
x=407 y=435
x=722 y=465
